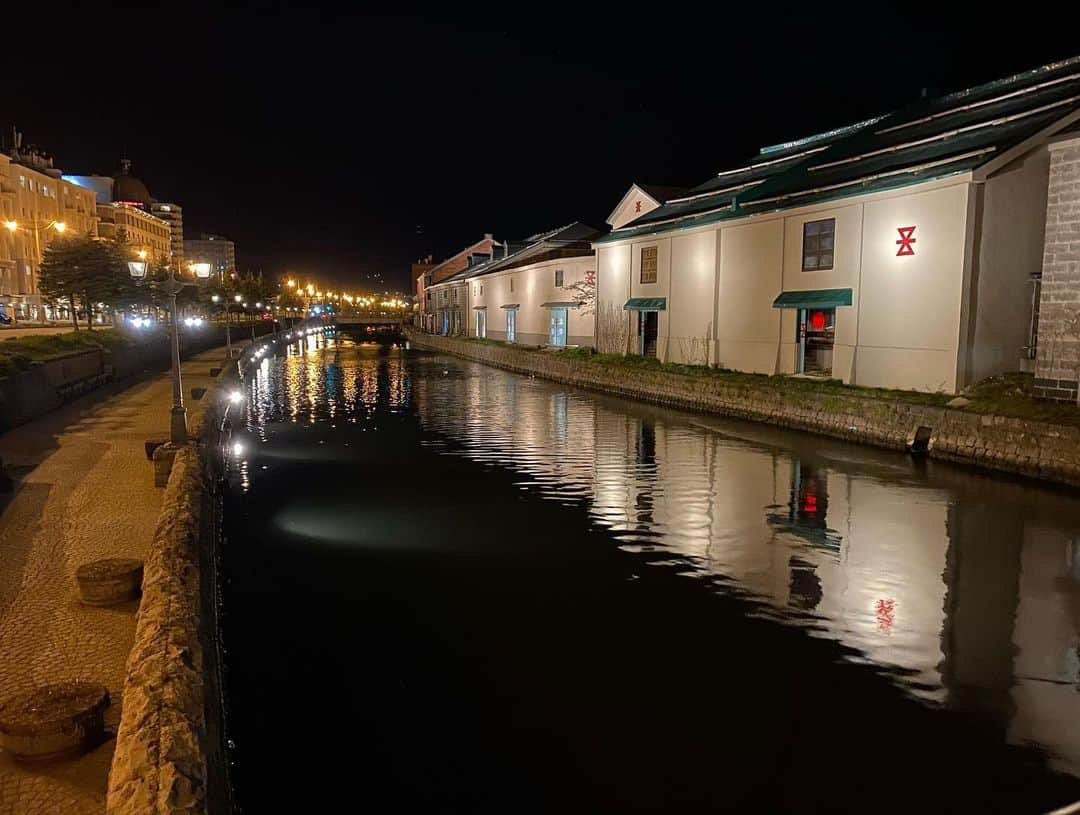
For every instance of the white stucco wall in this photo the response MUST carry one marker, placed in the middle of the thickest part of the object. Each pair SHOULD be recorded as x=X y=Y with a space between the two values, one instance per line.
x=747 y=326
x=909 y=308
x=691 y=299
x=533 y=285
x=1010 y=228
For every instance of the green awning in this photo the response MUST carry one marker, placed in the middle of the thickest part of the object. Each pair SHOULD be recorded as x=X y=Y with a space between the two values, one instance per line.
x=511 y=305
x=813 y=298
x=646 y=304
x=564 y=304
x=479 y=308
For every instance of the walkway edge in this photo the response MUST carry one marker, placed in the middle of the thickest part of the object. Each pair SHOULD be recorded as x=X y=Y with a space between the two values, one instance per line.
x=159 y=765
x=1035 y=449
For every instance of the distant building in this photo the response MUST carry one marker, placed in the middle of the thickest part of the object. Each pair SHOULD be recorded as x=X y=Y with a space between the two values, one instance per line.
x=173 y=215
x=214 y=249
x=540 y=291
x=124 y=205
x=36 y=205
x=142 y=231
x=451 y=309
x=416 y=275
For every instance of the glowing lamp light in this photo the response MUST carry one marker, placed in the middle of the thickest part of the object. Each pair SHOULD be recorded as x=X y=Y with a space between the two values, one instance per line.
x=137 y=269
x=238 y=449
x=11 y=225
x=60 y=226
x=238 y=298
x=142 y=254
x=236 y=397
x=202 y=270
x=215 y=298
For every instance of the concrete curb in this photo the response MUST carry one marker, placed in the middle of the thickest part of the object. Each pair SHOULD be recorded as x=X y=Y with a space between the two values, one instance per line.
x=159 y=765
x=1044 y=451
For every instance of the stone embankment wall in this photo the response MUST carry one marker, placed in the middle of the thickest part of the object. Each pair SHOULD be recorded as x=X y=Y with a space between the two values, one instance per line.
x=159 y=765
x=1050 y=452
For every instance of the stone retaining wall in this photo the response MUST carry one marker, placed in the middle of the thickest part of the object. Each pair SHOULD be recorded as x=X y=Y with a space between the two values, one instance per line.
x=159 y=764
x=1050 y=452
x=47 y=385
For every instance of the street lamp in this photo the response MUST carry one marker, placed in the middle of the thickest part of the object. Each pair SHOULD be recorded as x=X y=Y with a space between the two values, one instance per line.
x=171 y=286
x=37 y=227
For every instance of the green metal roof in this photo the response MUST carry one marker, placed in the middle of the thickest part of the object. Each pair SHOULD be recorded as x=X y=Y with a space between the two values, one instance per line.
x=646 y=304
x=479 y=308
x=511 y=305
x=813 y=298
x=561 y=304
x=929 y=139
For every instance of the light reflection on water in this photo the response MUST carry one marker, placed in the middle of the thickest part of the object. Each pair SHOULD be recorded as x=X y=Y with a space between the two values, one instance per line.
x=967 y=587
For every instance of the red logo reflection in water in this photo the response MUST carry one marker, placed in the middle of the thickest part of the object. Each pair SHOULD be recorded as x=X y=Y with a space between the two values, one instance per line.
x=817 y=320
x=809 y=503
x=885 y=611
x=905 y=241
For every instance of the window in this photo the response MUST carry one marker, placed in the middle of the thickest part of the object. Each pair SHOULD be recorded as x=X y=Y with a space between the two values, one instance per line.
x=511 y=285
x=558 y=278
x=817 y=244
x=648 y=264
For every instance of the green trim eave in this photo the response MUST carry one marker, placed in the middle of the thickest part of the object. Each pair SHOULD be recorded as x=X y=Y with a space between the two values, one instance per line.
x=695 y=221
x=813 y=298
x=511 y=306
x=561 y=304
x=646 y=304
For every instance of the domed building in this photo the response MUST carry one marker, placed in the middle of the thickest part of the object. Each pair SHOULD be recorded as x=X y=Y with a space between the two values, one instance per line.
x=127 y=189
x=124 y=206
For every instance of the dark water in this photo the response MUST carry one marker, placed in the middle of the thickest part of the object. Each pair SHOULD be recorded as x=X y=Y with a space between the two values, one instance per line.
x=457 y=589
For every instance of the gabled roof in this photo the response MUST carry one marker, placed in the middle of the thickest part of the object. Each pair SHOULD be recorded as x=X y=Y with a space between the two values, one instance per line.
x=931 y=138
x=472 y=248
x=572 y=240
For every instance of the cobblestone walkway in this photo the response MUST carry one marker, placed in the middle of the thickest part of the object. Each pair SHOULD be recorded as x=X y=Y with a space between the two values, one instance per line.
x=85 y=491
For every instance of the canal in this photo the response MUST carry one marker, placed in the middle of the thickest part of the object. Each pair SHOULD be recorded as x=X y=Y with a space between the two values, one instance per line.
x=451 y=587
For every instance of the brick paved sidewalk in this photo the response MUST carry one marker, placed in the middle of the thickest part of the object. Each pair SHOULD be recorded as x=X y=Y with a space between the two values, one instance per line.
x=85 y=491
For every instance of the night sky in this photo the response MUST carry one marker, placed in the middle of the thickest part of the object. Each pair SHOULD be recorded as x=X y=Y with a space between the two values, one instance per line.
x=342 y=146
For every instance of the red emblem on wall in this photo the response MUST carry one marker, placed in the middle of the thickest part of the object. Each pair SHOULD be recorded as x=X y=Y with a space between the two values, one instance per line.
x=637 y=206
x=905 y=241
x=885 y=611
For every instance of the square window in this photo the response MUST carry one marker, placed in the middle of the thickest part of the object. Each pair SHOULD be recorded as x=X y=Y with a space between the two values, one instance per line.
x=818 y=237
x=558 y=278
x=648 y=264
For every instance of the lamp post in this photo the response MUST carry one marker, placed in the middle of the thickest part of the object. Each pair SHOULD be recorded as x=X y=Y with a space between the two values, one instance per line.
x=171 y=286
x=37 y=227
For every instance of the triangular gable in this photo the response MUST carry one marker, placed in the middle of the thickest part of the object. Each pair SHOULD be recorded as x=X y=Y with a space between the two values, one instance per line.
x=633 y=205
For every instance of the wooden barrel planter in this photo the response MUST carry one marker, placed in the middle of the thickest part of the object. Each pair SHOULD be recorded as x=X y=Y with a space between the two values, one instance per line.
x=110 y=581
x=54 y=721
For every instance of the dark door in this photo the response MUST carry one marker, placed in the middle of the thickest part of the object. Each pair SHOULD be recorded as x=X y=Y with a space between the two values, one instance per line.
x=648 y=328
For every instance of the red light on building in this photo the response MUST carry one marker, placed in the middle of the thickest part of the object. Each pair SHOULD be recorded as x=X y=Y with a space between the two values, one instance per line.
x=817 y=320
x=809 y=504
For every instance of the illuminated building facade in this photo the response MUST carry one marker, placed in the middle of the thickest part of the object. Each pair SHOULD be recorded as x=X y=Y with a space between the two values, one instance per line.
x=142 y=231
x=36 y=206
x=213 y=249
x=173 y=215
x=903 y=251
x=443 y=312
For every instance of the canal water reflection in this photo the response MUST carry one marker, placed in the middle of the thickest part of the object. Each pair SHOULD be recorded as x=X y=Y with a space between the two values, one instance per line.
x=958 y=590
